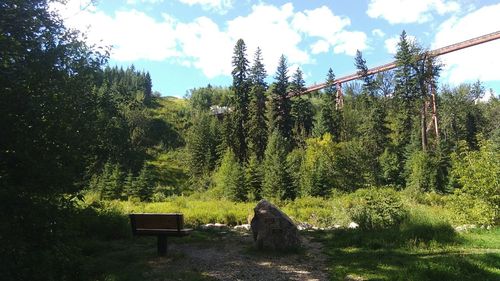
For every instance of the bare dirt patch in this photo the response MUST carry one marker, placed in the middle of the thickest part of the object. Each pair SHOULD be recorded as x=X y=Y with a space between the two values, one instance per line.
x=232 y=257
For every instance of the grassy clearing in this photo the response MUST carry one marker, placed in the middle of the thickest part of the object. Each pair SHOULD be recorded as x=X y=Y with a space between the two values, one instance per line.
x=417 y=250
x=423 y=247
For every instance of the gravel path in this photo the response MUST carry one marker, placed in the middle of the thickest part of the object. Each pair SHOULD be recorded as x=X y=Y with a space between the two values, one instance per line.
x=233 y=258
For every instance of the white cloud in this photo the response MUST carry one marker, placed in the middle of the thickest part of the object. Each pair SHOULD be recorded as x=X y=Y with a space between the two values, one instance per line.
x=410 y=11
x=320 y=46
x=269 y=28
x=322 y=23
x=132 y=34
x=377 y=32
x=208 y=46
x=478 y=62
x=133 y=2
x=349 y=42
x=221 y=6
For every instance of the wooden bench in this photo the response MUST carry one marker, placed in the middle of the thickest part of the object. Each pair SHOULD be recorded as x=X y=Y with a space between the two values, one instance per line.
x=160 y=225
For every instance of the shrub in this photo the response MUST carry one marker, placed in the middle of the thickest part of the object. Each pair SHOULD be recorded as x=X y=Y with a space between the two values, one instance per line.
x=470 y=209
x=375 y=208
x=477 y=175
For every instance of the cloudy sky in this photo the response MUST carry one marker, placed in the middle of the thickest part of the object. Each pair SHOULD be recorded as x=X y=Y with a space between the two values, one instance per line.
x=186 y=44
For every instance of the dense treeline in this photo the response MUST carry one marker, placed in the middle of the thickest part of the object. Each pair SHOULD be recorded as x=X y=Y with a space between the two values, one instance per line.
x=383 y=133
x=64 y=120
x=72 y=125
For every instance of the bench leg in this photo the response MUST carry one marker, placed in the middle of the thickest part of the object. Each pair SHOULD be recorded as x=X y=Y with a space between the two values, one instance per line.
x=162 y=245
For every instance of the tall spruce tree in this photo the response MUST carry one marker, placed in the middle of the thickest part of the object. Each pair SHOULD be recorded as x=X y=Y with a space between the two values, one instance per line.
x=230 y=177
x=240 y=87
x=325 y=122
x=302 y=109
x=257 y=126
x=281 y=119
x=277 y=183
x=405 y=91
x=144 y=183
x=254 y=178
x=369 y=86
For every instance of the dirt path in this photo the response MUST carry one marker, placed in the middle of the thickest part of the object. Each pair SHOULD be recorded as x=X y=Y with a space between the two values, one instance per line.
x=233 y=258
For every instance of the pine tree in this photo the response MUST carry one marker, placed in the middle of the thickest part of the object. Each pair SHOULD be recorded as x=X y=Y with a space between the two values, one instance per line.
x=254 y=178
x=106 y=185
x=241 y=91
x=129 y=185
x=302 y=110
x=144 y=183
x=204 y=139
x=277 y=180
x=116 y=182
x=257 y=127
x=230 y=178
x=280 y=118
x=369 y=85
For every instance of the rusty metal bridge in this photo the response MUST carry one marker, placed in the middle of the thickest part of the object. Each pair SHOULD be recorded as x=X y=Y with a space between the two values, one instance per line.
x=434 y=53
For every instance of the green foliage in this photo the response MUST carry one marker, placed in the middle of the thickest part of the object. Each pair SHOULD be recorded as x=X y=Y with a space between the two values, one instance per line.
x=240 y=87
x=144 y=184
x=317 y=171
x=230 y=178
x=202 y=99
x=257 y=124
x=202 y=144
x=477 y=174
x=468 y=209
x=302 y=114
x=277 y=180
x=280 y=117
x=375 y=208
x=254 y=178
x=47 y=124
x=422 y=172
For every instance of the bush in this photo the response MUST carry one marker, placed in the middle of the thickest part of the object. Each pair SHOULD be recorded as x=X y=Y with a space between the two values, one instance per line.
x=468 y=209
x=375 y=208
x=477 y=174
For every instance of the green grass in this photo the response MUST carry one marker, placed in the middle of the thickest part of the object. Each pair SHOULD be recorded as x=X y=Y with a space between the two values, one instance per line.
x=424 y=247
x=414 y=251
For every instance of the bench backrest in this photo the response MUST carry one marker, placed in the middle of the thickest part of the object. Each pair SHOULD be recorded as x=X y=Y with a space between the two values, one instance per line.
x=157 y=221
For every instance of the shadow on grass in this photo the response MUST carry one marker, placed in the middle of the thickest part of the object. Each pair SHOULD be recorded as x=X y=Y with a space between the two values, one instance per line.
x=418 y=251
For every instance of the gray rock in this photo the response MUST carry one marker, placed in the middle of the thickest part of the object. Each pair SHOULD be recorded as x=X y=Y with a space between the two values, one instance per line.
x=273 y=229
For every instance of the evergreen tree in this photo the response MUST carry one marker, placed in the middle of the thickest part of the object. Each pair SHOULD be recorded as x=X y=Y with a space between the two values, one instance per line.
x=116 y=181
x=369 y=86
x=230 y=178
x=317 y=171
x=302 y=110
x=277 y=180
x=203 y=143
x=241 y=87
x=106 y=186
x=129 y=185
x=254 y=178
x=280 y=118
x=144 y=184
x=325 y=122
x=405 y=91
x=257 y=126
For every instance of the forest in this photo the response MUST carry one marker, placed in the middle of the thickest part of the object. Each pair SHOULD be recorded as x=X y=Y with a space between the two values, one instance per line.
x=83 y=143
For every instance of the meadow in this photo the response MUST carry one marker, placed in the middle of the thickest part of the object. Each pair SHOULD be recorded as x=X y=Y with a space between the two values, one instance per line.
x=423 y=246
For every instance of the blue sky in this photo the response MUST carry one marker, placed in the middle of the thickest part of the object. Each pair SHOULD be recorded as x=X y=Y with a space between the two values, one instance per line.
x=186 y=44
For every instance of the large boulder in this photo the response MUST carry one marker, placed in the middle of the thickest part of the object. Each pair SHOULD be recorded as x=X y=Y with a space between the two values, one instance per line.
x=273 y=229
